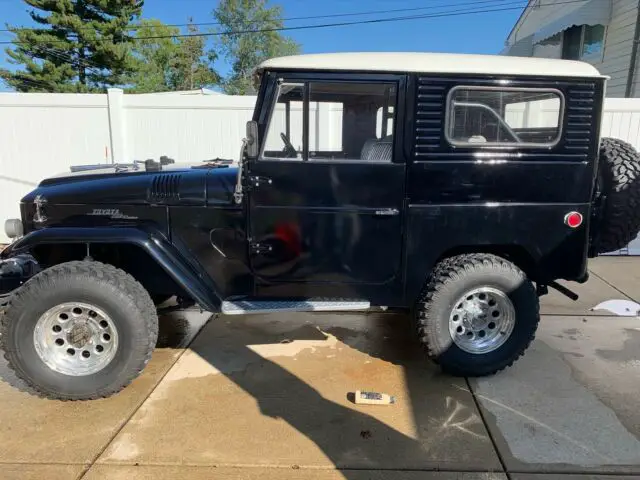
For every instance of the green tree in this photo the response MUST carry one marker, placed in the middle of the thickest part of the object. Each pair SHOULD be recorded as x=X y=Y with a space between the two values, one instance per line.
x=77 y=46
x=245 y=51
x=165 y=61
x=153 y=57
x=192 y=67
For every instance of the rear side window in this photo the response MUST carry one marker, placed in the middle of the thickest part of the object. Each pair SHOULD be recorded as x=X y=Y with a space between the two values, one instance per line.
x=504 y=117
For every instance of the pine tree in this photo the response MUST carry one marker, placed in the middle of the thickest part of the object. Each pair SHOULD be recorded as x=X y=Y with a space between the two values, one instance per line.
x=246 y=50
x=77 y=46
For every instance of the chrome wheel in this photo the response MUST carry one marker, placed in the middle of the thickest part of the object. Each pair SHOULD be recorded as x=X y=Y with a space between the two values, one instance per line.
x=75 y=339
x=482 y=320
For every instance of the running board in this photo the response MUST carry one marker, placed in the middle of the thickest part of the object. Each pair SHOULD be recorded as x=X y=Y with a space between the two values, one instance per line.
x=240 y=307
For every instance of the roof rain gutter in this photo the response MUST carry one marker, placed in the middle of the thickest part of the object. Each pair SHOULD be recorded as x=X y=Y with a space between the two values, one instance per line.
x=634 y=55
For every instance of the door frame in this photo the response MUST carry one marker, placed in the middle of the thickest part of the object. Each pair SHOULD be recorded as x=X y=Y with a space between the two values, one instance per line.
x=389 y=293
x=269 y=90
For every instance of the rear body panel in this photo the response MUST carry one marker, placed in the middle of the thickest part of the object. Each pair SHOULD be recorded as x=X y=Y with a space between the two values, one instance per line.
x=481 y=198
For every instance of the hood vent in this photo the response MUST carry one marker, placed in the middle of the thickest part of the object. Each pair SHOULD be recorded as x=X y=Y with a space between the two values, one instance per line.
x=164 y=188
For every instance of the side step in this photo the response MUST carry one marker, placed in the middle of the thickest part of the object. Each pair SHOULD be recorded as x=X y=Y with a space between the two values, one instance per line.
x=241 y=307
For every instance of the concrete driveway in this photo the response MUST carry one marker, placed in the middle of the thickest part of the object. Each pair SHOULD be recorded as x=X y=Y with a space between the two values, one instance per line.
x=266 y=396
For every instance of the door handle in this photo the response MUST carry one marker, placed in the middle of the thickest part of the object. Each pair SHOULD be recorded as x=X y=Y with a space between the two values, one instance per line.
x=387 y=212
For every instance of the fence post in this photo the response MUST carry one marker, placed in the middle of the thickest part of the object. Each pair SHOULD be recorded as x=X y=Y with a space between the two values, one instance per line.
x=117 y=125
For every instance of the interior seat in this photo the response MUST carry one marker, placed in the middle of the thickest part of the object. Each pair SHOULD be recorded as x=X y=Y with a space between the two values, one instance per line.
x=377 y=150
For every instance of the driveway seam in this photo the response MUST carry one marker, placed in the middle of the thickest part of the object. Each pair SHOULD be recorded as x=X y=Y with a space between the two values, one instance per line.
x=135 y=410
x=29 y=462
x=612 y=285
x=587 y=472
x=486 y=427
x=274 y=466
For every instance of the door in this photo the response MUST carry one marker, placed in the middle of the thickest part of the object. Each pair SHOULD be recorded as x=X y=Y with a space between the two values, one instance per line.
x=326 y=194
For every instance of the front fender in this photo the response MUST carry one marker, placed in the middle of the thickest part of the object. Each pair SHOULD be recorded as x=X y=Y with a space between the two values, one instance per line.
x=179 y=265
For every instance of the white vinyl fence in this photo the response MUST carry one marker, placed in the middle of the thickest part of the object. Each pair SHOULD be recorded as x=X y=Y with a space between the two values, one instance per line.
x=44 y=134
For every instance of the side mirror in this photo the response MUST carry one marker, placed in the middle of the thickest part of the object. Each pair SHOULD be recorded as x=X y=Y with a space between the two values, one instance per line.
x=252 y=140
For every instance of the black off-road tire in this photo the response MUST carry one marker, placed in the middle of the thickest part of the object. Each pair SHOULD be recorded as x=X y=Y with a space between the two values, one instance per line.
x=450 y=280
x=619 y=176
x=117 y=293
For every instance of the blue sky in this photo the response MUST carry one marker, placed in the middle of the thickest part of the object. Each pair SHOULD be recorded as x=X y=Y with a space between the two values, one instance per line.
x=477 y=33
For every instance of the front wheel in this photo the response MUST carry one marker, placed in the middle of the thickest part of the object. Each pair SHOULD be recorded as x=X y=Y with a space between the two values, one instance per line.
x=79 y=331
x=477 y=315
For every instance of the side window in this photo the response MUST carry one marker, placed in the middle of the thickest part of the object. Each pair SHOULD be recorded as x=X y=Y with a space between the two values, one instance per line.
x=346 y=121
x=504 y=117
x=284 y=135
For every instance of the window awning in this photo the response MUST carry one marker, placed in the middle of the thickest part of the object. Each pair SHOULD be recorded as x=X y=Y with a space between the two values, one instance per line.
x=594 y=12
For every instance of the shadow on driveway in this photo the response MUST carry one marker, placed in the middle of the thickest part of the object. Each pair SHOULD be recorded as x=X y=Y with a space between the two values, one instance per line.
x=203 y=408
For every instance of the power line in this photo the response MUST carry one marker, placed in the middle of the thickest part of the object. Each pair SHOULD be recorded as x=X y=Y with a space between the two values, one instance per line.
x=308 y=17
x=29 y=82
x=67 y=58
x=452 y=13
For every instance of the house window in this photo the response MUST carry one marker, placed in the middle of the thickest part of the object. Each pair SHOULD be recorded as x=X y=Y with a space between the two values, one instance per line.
x=592 y=40
x=583 y=42
x=483 y=116
x=571 y=43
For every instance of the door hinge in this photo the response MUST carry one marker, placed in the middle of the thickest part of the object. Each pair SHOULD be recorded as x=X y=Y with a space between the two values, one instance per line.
x=256 y=181
x=261 y=248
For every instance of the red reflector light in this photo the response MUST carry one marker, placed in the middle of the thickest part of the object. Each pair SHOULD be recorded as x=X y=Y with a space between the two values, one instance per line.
x=573 y=219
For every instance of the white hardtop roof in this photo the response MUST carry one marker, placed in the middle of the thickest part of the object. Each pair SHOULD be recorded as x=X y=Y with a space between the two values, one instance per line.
x=433 y=63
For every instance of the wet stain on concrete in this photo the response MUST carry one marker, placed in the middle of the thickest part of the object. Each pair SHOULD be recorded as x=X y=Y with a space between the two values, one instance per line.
x=266 y=405
x=173 y=332
x=537 y=411
x=606 y=396
x=630 y=351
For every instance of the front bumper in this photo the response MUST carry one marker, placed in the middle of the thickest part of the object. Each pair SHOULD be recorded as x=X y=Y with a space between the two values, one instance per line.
x=16 y=270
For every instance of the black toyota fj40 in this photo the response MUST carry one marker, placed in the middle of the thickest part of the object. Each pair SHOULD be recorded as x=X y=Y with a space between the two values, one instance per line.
x=457 y=187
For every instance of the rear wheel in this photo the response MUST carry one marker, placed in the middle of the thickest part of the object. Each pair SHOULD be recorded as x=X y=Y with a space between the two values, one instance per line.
x=79 y=330
x=477 y=315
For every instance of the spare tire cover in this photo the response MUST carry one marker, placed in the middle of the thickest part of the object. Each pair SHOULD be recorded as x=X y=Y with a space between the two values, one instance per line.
x=619 y=177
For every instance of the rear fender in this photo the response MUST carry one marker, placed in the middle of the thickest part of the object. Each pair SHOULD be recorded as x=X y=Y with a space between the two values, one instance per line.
x=179 y=265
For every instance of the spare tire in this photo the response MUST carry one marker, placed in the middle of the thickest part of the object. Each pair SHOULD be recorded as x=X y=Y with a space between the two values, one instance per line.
x=619 y=180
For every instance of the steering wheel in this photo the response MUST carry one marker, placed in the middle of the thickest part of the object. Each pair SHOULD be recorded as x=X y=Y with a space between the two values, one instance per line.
x=289 y=150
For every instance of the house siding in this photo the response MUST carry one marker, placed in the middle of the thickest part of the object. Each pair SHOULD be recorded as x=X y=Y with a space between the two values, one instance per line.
x=617 y=48
x=618 y=43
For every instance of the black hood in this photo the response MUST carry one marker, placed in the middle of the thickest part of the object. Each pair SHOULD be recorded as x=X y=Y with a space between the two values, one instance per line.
x=174 y=185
